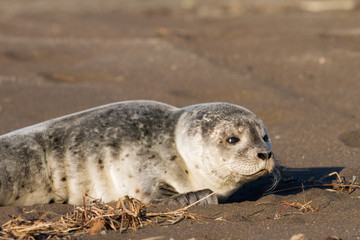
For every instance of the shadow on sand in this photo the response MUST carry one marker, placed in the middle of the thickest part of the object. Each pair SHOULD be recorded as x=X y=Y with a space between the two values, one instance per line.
x=291 y=179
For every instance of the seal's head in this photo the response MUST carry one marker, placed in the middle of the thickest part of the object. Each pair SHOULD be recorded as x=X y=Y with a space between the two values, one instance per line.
x=224 y=146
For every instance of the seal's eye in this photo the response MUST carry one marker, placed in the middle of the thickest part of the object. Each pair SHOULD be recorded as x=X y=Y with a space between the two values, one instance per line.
x=266 y=138
x=232 y=140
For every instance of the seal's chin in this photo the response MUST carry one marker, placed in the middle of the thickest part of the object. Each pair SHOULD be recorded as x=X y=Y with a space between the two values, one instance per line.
x=258 y=174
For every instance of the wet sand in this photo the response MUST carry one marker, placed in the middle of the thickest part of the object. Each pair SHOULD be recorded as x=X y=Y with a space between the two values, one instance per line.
x=296 y=68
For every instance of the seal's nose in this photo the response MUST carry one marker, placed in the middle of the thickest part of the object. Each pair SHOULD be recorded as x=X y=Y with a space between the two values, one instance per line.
x=265 y=156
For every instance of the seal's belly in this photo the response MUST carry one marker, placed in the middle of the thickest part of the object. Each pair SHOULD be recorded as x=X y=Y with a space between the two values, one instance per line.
x=102 y=175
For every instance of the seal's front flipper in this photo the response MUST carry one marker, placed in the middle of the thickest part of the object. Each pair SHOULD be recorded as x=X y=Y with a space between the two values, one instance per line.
x=165 y=190
x=188 y=198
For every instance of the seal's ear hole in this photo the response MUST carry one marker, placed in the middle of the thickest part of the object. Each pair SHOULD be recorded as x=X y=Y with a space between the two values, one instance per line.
x=232 y=140
x=266 y=138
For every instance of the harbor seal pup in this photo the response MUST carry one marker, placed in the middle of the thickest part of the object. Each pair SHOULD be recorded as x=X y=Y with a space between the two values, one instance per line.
x=148 y=150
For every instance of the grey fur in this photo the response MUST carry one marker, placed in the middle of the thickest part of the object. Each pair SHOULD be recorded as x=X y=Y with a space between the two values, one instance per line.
x=42 y=163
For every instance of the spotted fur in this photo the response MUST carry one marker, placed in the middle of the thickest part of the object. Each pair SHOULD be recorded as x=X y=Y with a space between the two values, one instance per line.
x=145 y=149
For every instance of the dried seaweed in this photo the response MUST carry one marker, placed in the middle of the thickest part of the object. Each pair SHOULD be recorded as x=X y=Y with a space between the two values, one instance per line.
x=93 y=217
x=338 y=185
x=302 y=207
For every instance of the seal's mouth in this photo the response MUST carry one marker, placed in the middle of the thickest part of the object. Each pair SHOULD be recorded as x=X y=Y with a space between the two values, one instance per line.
x=268 y=168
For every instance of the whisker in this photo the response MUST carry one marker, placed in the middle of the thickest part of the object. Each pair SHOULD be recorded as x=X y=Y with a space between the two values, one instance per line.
x=224 y=168
x=277 y=176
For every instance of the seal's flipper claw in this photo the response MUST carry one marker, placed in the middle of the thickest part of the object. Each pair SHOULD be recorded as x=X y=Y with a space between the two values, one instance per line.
x=166 y=190
x=205 y=195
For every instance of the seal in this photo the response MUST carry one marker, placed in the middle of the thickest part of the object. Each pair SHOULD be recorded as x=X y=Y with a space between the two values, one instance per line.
x=148 y=150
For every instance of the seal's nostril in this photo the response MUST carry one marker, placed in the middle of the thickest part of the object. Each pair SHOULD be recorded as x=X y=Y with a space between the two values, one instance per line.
x=262 y=156
x=265 y=156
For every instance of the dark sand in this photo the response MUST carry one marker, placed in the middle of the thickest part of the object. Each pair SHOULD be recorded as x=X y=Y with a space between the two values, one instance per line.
x=297 y=70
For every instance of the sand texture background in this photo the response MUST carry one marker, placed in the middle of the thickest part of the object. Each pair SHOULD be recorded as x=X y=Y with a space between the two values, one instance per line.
x=296 y=64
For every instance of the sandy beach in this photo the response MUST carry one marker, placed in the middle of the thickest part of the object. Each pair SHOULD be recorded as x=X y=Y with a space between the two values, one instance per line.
x=296 y=64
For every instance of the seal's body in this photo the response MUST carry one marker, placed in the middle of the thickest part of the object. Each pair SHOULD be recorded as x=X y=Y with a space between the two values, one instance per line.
x=144 y=149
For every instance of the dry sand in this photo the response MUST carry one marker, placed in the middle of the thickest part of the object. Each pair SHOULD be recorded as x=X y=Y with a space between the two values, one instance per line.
x=295 y=67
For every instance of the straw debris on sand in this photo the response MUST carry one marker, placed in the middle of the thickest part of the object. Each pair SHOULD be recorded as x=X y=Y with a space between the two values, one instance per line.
x=93 y=217
x=338 y=185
